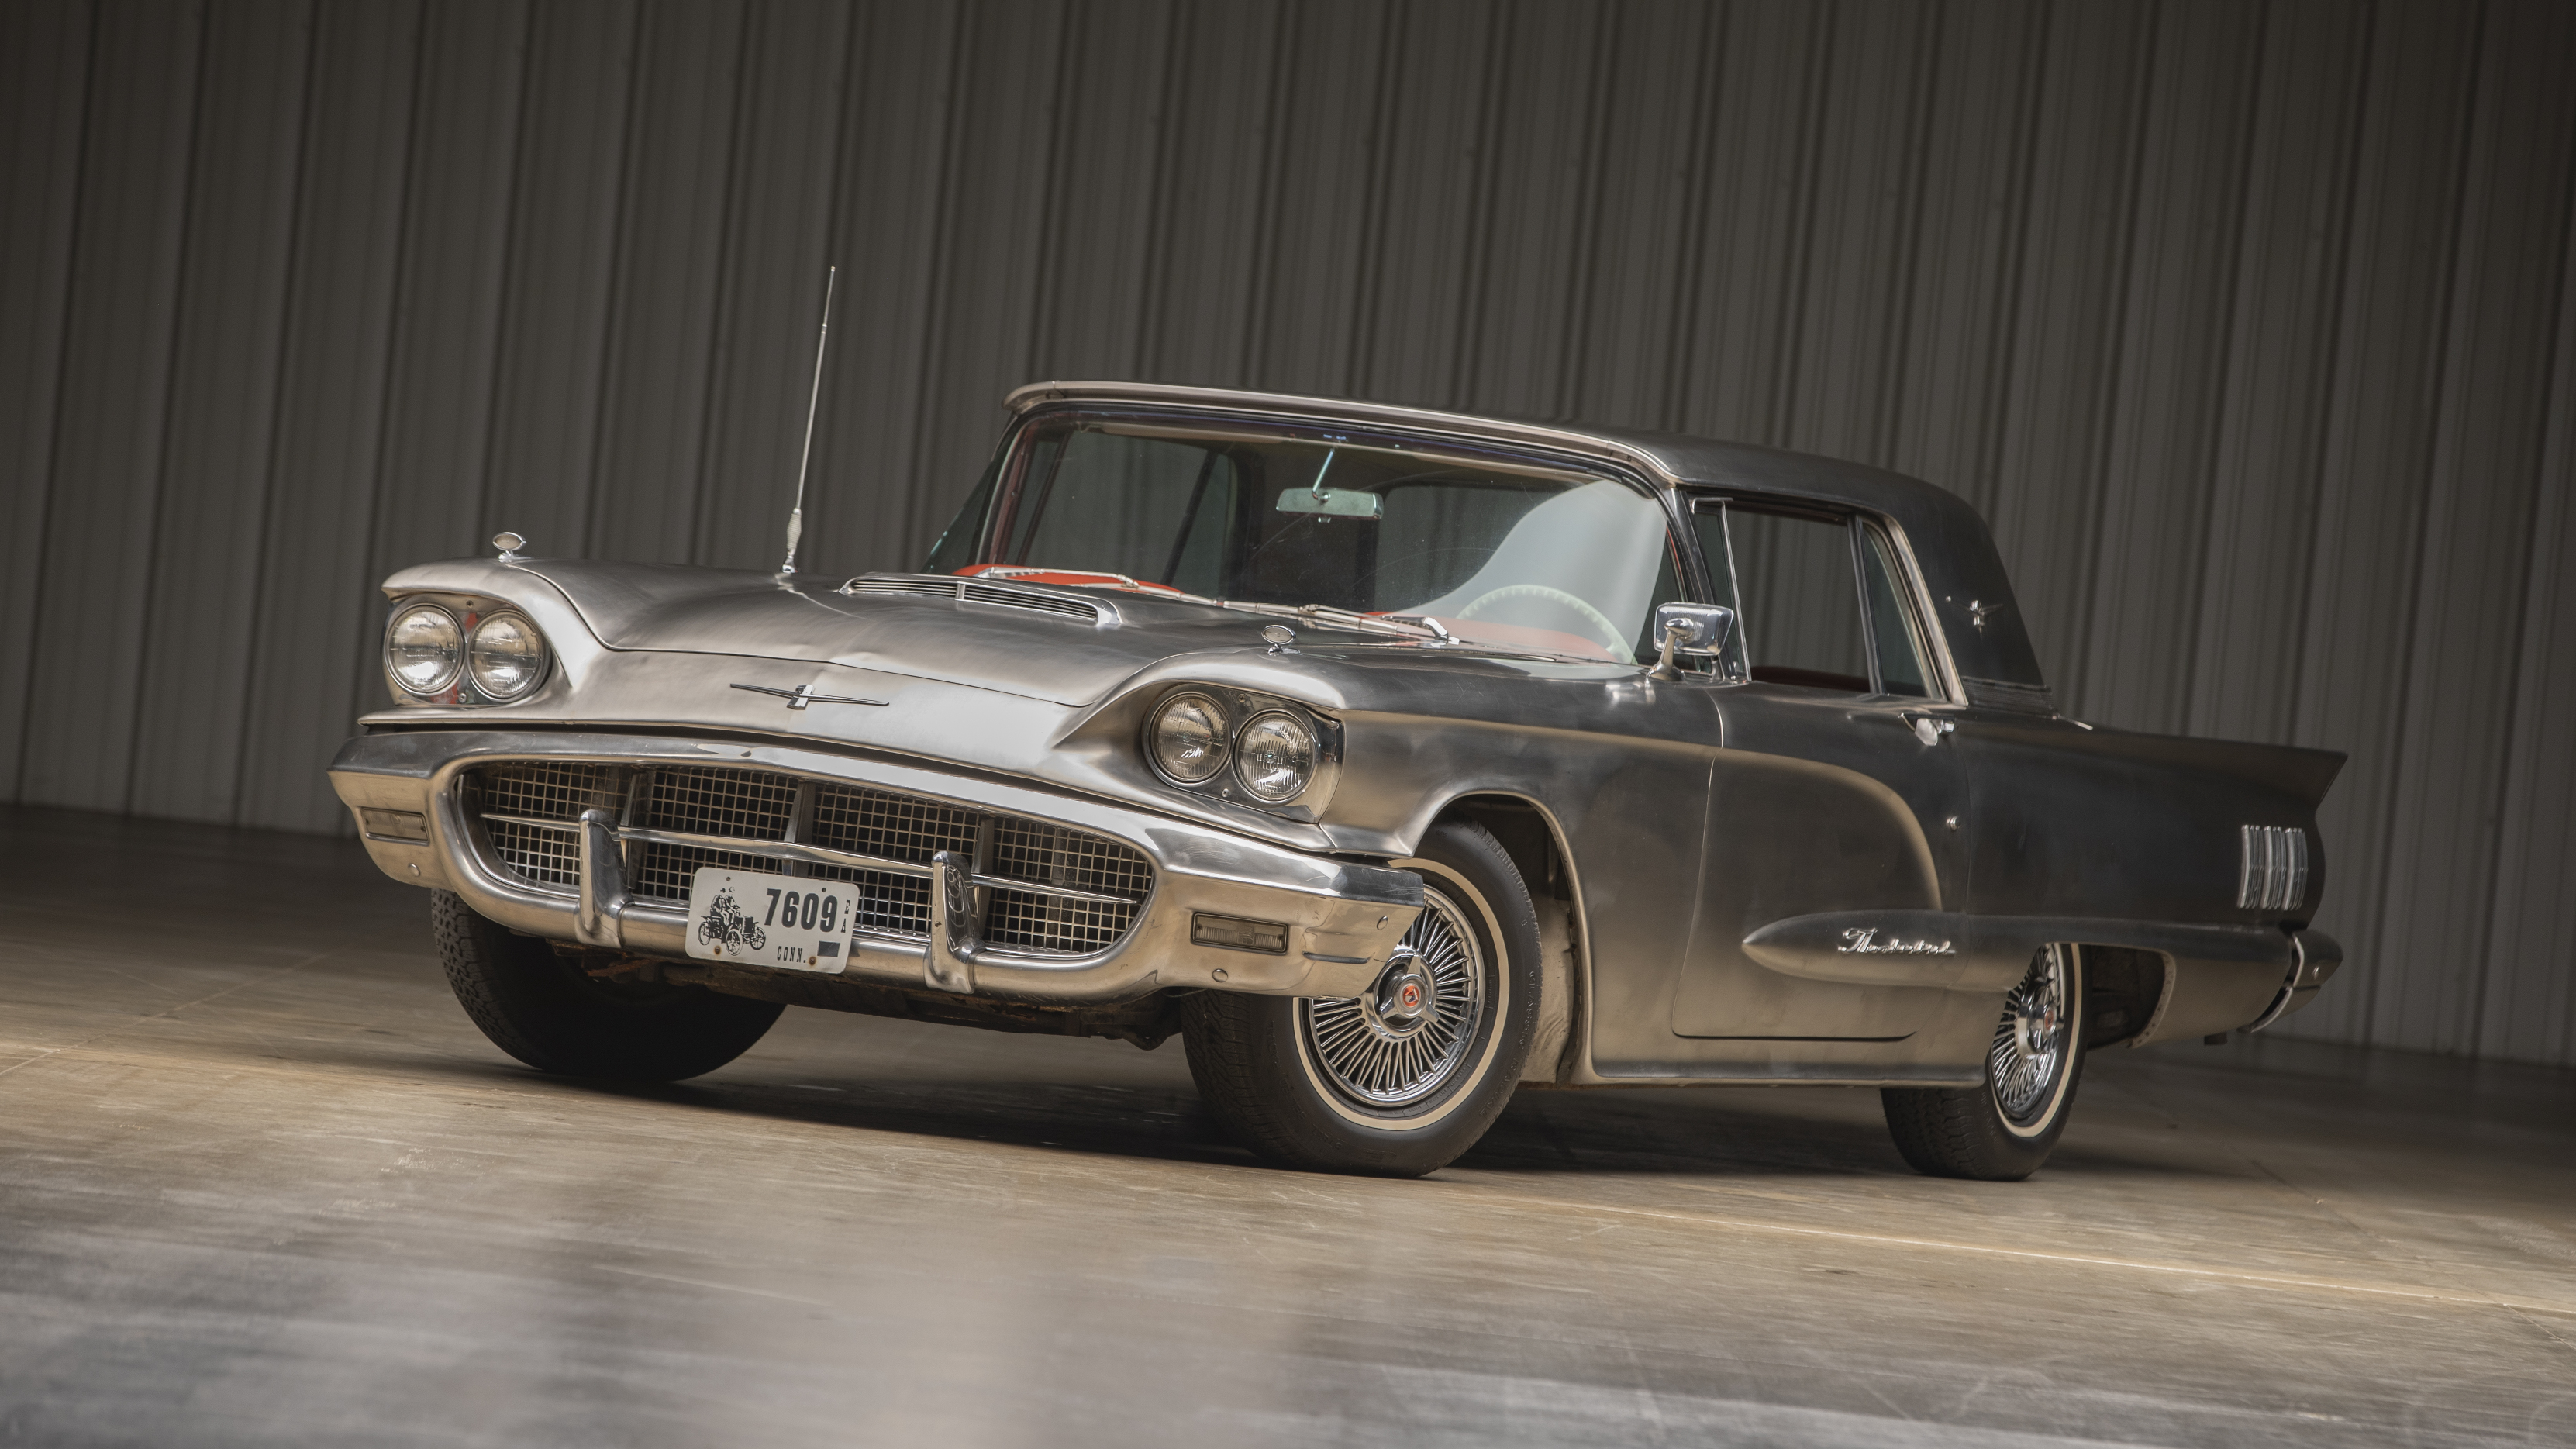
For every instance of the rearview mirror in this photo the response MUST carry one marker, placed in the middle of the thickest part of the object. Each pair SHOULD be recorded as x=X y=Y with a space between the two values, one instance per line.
x=1698 y=630
x=1333 y=502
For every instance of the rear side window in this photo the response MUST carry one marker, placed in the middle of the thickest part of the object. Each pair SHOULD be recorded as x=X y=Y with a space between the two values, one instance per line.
x=1817 y=599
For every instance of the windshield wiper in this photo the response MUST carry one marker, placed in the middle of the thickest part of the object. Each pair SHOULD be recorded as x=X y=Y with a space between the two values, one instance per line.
x=1408 y=625
x=1419 y=630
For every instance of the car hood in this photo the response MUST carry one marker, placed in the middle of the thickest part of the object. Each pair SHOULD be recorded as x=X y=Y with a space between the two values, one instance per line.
x=1065 y=646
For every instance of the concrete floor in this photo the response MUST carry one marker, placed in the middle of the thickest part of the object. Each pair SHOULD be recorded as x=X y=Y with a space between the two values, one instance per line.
x=261 y=1182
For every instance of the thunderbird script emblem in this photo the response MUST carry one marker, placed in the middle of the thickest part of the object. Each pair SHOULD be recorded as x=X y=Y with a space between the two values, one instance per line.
x=803 y=695
x=1865 y=942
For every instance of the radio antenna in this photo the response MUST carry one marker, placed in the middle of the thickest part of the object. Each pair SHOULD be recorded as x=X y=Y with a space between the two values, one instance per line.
x=796 y=515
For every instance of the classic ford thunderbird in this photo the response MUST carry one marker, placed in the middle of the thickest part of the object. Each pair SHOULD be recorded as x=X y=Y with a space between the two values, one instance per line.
x=1394 y=759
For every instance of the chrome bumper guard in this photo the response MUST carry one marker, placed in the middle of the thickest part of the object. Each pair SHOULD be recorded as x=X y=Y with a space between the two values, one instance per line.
x=1341 y=919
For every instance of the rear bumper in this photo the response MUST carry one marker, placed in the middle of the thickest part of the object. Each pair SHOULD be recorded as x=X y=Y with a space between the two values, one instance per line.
x=1341 y=919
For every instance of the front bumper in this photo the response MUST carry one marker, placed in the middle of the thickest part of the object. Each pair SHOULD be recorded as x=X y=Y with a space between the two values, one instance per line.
x=1341 y=919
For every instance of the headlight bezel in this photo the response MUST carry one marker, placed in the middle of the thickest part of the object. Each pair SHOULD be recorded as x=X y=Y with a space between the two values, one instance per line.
x=543 y=661
x=1242 y=709
x=405 y=610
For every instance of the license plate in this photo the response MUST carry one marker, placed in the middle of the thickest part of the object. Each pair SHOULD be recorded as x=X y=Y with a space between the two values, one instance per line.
x=756 y=919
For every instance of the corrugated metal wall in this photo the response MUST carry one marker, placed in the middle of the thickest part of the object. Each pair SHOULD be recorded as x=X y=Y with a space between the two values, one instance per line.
x=2247 y=324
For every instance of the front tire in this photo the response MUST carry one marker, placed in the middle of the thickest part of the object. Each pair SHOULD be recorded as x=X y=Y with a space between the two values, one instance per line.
x=547 y=1012
x=1398 y=1082
x=2003 y=1130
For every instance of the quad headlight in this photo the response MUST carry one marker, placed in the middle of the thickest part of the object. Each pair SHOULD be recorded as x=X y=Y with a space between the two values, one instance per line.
x=423 y=648
x=1187 y=738
x=463 y=651
x=1194 y=735
x=507 y=656
x=1274 y=757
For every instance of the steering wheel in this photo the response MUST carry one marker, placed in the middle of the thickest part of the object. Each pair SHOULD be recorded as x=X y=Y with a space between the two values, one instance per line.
x=1607 y=632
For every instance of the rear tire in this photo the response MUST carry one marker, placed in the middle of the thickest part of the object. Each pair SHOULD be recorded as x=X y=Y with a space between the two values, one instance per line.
x=2002 y=1130
x=547 y=1012
x=1401 y=1081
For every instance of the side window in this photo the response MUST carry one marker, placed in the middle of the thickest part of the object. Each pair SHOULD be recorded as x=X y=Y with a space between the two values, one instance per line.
x=1799 y=602
x=1894 y=645
x=1805 y=617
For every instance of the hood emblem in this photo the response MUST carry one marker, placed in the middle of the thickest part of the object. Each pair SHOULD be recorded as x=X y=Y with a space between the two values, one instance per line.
x=803 y=695
x=1859 y=941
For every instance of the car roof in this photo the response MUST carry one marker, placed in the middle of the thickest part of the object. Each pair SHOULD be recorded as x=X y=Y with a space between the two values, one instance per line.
x=1950 y=542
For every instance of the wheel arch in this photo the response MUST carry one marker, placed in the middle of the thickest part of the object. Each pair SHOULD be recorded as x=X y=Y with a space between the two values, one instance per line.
x=1534 y=840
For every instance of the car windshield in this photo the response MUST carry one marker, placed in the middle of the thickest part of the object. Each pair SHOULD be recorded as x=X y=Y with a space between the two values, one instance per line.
x=1499 y=553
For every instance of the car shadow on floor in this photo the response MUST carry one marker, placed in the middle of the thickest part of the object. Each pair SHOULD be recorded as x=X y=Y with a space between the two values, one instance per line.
x=1658 y=1133
x=1711 y=1133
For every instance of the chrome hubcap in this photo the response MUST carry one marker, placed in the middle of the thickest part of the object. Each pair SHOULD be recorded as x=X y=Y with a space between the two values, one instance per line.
x=1404 y=1039
x=2030 y=1049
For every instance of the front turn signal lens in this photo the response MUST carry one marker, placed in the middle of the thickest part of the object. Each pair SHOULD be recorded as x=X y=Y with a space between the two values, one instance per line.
x=1234 y=934
x=423 y=647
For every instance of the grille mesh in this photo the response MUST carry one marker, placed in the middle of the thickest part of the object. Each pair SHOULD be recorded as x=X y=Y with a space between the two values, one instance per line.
x=706 y=800
x=759 y=805
x=549 y=857
x=900 y=827
x=551 y=789
x=543 y=790
x=711 y=800
x=1033 y=851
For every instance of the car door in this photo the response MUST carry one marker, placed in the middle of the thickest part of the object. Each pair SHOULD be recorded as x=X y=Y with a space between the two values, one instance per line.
x=1836 y=787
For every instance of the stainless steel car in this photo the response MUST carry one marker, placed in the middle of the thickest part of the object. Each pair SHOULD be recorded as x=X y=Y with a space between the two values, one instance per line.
x=1392 y=758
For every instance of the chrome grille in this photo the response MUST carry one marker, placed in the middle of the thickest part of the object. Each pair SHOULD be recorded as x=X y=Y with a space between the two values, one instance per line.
x=1033 y=851
x=760 y=805
x=903 y=827
x=542 y=790
x=752 y=804
x=706 y=800
x=898 y=827
x=551 y=789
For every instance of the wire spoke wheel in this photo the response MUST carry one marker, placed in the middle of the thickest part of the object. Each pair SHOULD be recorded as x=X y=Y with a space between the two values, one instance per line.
x=1401 y=1078
x=2002 y=1129
x=2030 y=1050
x=1406 y=1038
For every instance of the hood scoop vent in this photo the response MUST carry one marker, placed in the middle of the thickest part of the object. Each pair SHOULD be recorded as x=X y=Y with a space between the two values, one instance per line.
x=1098 y=613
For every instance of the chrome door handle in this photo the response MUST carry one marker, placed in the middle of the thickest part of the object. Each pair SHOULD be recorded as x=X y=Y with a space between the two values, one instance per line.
x=1929 y=728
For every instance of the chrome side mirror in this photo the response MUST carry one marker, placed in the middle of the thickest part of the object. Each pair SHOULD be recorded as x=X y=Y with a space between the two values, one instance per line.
x=1698 y=630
